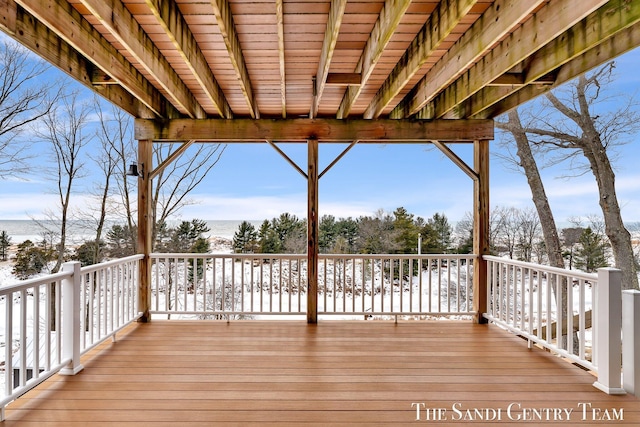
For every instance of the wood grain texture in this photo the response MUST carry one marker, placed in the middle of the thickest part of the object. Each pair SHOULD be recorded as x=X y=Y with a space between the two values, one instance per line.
x=334 y=373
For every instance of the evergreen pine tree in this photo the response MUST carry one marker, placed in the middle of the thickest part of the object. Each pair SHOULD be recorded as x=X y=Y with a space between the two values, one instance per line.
x=5 y=243
x=591 y=253
x=86 y=252
x=405 y=231
x=121 y=241
x=268 y=239
x=30 y=260
x=328 y=232
x=348 y=230
x=442 y=232
x=245 y=240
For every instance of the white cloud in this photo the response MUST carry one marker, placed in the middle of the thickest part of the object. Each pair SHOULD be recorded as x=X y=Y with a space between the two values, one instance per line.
x=25 y=205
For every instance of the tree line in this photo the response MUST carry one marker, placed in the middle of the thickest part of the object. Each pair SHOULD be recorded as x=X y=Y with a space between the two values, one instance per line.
x=398 y=232
x=36 y=257
x=515 y=233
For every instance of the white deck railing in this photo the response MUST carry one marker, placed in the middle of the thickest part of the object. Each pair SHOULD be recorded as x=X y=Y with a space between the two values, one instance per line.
x=551 y=307
x=48 y=322
x=249 y=285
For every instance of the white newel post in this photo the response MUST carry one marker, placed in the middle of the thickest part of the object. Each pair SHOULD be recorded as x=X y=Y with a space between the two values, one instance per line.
x=631 y=341
x=608 y=323
x=71 y=319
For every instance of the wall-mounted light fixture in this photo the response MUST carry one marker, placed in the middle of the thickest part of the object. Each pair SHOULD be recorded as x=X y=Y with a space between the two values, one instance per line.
x=135 y=170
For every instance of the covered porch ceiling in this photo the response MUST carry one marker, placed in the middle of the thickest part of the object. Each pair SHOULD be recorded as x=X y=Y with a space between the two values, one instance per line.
x=322 y=71
x=322 y=59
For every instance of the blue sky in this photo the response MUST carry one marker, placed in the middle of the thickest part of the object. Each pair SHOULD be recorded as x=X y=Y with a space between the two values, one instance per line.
x=253 y=182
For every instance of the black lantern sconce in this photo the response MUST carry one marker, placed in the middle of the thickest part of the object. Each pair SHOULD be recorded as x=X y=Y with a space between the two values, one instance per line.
x=136 y=170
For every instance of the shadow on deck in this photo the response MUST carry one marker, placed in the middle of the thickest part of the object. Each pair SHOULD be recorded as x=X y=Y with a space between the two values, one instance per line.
x=261 y=373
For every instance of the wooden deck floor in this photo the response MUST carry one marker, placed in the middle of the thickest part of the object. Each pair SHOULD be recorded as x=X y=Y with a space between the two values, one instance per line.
x=331 y=374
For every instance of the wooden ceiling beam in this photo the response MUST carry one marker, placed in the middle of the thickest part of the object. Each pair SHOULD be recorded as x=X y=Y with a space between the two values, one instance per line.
x=325 y=130
x=222 y=10
x=542 y=67
x=493 y=25
x=439 y=25
x=117 y=19
x=175 y=27
x=336 y=12
x=281 y=56
x=621 y=42
x=509 y=79
x=64 y=21
x=343 y=79
x=34 y=35
x=547 y=24
x=384 y=28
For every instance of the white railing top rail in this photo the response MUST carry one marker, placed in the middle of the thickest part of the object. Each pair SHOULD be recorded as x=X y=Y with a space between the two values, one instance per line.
x=107 y=264
x=156 y=255
x=546 y=268
x=36 y=281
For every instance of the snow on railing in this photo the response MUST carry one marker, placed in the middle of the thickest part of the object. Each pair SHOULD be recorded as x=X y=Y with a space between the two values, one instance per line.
x=248 y=285
x=46 y=323
x=549 y=306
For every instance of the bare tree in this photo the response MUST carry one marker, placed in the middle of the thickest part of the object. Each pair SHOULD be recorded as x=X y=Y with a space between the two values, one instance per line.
x=528 y=232
x=527 y=162
x=174 y=183
x=25 y=96
x=464 y=227
x=105 y=159
x=64 y=130
x=123 y=149
x=577 y=125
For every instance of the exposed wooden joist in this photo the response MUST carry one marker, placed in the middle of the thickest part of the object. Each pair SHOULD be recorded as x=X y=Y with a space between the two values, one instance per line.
x=547 y=24
x=384 y=28
x=222 y=10
x=336 y=12
x=621 y=42
x=170 y=18
x=325 y=130
x=493 y=25
x=281 y=55
x=99 y=77
x=120 y=23
x=509 y=79
x=575 y=44
x=343 y=79
x=519 y=79
x=439 y=25
x=68 y=41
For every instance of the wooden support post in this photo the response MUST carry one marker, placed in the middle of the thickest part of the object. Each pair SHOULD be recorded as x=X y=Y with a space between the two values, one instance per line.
x=480 y=228
x=312 y=232
x=145 y=223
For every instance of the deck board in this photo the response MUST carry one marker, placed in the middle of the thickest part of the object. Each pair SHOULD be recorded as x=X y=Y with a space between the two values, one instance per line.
x=332 y=374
